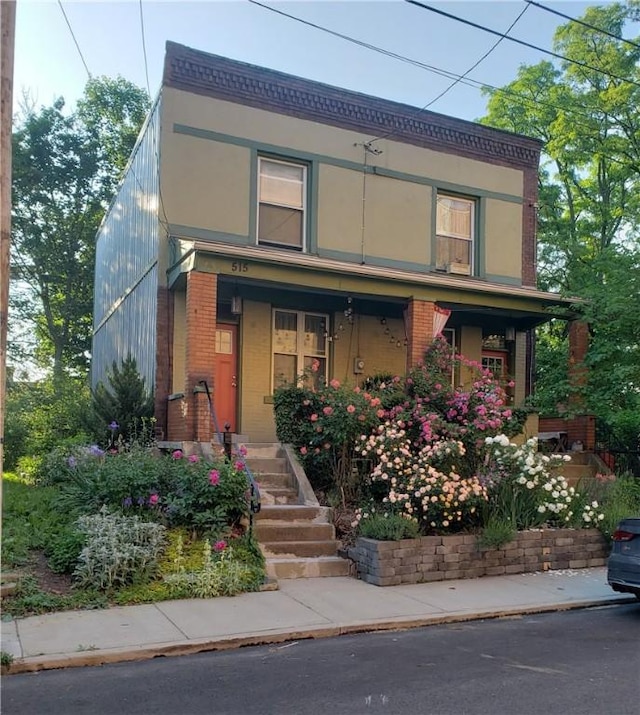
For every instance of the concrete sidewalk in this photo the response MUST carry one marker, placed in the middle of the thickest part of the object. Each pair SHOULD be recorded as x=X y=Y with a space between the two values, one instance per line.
x=303 y=608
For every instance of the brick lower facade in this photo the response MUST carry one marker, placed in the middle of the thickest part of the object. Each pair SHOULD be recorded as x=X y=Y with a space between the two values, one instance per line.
x=439 y=558
x=419 y=330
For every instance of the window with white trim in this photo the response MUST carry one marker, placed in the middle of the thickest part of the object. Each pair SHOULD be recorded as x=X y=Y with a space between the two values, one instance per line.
x=299 y=346
x=282 y=194
x=455 y=234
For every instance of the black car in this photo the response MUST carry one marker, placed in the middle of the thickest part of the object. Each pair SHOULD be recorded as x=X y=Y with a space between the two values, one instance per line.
x=623 y=572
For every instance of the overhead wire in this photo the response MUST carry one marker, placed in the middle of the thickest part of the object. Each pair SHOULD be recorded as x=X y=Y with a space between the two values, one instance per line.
x=476 y=84
x=588 y=25
x=75 y=39
x=523 y=99
x=459 y=79
x=524 y=43
x=144 y=48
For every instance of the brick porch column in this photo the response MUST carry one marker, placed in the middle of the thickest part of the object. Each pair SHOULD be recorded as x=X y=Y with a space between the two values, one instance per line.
x=578 y=347
x=419 y=329
x=201 y=306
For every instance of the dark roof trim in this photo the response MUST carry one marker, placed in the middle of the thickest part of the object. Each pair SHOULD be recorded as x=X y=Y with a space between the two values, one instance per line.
x=243 y=83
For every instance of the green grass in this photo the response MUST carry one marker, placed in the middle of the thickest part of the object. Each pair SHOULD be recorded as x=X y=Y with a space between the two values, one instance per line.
x=30 y=520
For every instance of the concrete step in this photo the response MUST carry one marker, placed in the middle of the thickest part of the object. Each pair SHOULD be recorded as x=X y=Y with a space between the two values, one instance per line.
x=278 y=480
x=262 y=450
x=282 y=568
x=308 y=549
x=272 y=496
x=574 y=473
x=269 y=531
x=267 y=465
x=293 y=512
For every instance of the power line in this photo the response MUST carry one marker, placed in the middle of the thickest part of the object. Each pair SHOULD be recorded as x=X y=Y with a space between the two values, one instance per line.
x=459 y=79
x=491 y=31
x=74 y=39
x=584 y=24
x=429 y=68
x=144 y=48
x=438 y=71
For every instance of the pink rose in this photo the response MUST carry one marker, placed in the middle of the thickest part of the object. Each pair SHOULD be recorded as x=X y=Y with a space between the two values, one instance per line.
x=327 y=410
x=153 y=499
x=351 y=409
x=303 y=450
x=239 y=466
x=177 y=454
x=214 y=477
x=314 y=417
x=335 y=383
x=193 y=458
x=220 y=545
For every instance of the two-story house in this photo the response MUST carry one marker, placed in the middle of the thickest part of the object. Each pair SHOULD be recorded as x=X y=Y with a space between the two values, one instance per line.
x=266 y=222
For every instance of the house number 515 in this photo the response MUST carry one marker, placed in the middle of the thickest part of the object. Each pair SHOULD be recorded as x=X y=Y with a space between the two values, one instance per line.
x=239 y=267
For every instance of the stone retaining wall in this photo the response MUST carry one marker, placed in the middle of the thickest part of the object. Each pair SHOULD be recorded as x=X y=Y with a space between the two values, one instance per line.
x=436 y=558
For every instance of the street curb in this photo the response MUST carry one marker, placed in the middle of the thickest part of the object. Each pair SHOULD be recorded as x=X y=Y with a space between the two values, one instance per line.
x=34 y=664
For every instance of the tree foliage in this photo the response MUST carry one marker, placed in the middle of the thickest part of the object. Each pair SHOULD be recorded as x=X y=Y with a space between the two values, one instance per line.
x=589 y=201
x=65 y=169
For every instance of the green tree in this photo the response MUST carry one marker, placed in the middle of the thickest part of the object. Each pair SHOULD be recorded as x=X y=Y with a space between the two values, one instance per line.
x=589 y=201
x=65 y=168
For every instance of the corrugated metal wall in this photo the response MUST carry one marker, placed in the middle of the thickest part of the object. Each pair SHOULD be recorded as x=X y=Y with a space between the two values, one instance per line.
x=126 y=275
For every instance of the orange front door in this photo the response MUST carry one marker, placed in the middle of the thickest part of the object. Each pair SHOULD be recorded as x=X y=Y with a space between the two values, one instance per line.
x=226 y=384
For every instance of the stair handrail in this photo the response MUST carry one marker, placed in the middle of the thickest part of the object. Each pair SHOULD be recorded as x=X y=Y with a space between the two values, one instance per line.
x=224 y=439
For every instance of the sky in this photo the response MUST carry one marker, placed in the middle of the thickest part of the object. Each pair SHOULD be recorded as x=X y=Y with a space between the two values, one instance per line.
x=109 y=34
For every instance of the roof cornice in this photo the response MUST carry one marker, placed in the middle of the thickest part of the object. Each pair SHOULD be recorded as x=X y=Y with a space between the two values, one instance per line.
x=222 y=78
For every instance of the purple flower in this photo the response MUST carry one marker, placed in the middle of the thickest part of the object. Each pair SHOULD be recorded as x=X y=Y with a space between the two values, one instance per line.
x=72 y=461
x=141 y=501
x=127 y=502
x=95 y=451
x=114 y=426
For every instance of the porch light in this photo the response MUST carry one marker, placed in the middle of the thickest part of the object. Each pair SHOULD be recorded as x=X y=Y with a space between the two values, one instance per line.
x=236 y=305
x=510 y=333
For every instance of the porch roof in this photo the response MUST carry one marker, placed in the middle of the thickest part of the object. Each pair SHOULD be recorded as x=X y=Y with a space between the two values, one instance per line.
x=482 y=301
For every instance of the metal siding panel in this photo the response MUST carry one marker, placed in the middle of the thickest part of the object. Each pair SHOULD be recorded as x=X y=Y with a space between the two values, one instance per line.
x=126 y=274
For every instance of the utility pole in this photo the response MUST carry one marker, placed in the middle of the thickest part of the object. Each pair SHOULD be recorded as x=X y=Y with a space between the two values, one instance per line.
x=7 y=44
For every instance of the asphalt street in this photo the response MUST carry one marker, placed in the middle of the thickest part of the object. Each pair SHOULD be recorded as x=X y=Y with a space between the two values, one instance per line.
x=584 y=662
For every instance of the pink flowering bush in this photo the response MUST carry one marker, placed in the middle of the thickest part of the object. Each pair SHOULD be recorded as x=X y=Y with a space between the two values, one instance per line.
x=176 y=490
x=324 y=425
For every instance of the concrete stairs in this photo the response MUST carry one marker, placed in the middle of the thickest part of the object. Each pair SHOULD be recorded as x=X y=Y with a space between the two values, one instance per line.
x=294 y=531
x=582 y=468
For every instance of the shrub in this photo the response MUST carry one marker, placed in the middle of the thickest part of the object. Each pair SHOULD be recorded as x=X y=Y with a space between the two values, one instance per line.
x=125 y=403
x=421 y=482
x=118 y=550
x=392 y=527
x=64 y=550
x=496 y=532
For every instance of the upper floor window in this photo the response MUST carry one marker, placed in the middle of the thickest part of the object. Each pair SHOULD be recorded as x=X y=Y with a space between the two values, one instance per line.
x=455 y=234
x=282 y=191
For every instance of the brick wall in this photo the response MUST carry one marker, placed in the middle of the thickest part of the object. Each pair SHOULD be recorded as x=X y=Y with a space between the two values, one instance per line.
x=579 y=429
x=419 y=330
x=164 y=354
x=438 y=558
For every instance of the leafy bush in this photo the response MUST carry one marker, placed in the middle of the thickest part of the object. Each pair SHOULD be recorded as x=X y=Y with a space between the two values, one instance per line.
x=391 y=527
x=496 y=532
x=43 y=414
x=176 y=490
x=118 y=550
x=31 y=519
x=125 y=403
x=64 y=550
